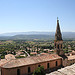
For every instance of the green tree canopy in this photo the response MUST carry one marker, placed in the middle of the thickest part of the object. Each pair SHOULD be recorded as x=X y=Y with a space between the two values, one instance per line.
x=39 y=71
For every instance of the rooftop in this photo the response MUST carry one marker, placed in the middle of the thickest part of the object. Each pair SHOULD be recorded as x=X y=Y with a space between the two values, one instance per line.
x=71 y=57
x=29 y=60
x=9 y=57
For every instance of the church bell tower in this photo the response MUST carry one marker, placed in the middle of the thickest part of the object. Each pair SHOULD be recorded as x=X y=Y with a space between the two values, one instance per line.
x=58 y=42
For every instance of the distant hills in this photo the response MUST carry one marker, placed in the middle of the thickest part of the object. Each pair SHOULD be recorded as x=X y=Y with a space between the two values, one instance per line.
x=27 y=33
x=35 y=35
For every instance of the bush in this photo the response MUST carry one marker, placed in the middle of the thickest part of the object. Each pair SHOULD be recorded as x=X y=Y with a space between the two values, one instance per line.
x=39 y=71
x=2 y=57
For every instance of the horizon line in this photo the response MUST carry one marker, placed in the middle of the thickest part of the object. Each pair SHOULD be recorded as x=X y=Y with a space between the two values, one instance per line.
x=35 y=31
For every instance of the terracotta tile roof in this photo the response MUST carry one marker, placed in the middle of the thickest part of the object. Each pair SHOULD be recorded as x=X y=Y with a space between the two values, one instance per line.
x=30 y=60
x=3 y=61
x=33 y=53
x=9 y=57
x=44 y=53
x=71 y=57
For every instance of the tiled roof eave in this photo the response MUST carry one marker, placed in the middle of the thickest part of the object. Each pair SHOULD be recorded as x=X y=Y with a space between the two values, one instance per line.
x=30 y=64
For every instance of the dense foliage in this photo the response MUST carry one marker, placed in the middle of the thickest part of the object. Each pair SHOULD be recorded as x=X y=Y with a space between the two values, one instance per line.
x=13 y=46
x=39 y=71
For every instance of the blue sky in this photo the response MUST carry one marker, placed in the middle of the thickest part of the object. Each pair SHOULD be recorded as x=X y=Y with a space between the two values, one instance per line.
x=36 y=15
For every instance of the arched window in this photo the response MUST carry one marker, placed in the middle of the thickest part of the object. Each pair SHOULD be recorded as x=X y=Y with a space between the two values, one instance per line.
x=18 y=71
x=56 y=63
x=47 y=65
x=39 y=65
x=58 y=46
x=29 y=70
x=55 y=45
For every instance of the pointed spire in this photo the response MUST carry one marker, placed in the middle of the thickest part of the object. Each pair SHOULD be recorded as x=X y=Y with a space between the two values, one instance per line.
x=58 y=27
x=58 y=35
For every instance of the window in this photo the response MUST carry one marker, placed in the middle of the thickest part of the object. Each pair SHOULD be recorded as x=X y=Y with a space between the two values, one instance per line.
x=55 y=45
x=28 y=69
x=58 y=46
x=39 y=65
x=47 y=65
x=18 y=71
x=56 y=63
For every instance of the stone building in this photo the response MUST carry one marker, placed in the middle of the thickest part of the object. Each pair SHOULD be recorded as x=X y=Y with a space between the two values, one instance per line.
x=58 y=42
x=69 y=70
x=26 y=66
x=71 y=60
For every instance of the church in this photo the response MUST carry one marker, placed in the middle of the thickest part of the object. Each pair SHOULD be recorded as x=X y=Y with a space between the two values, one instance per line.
x=26 y=66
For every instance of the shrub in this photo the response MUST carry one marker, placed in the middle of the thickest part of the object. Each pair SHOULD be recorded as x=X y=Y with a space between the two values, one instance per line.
x=39 y=71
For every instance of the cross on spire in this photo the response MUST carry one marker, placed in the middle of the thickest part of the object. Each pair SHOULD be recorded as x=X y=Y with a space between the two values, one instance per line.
x=57 y=18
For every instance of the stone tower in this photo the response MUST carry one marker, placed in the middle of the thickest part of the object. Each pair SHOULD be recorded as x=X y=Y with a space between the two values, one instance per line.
x=58 y=42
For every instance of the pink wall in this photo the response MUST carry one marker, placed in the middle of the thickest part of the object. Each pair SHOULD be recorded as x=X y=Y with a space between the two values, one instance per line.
x=24 y=69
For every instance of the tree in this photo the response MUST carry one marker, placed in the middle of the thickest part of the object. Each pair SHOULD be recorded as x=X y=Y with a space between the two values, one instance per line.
x=39 y=71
